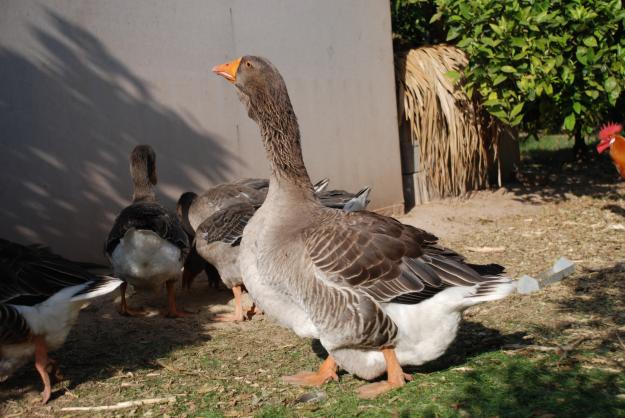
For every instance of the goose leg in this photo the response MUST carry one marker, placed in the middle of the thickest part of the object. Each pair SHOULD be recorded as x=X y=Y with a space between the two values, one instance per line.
x=395 y=377
x=238 y=308
x=188 y=274
x=124 y=309
x=326 y=372
x=172 y=311
x=41 y=364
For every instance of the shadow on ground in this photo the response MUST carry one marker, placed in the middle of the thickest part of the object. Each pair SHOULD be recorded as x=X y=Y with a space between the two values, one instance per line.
x=549 y=176
x=104 y=344
x=518 y=387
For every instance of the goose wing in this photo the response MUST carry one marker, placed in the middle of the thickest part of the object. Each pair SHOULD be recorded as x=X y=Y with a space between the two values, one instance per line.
x=226 y=225
x=257 y=184
x=384 y=258
x=34 y=272
x=150 y=216
x=338 y=199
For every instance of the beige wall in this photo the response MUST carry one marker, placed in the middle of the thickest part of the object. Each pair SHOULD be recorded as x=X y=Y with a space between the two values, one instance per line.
x=82 y=82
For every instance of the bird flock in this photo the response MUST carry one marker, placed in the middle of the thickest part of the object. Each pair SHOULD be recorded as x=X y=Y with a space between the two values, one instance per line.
x=378 y=294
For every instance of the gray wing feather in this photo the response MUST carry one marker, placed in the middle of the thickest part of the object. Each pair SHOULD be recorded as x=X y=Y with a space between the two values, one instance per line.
x=386 y=259
x=226 y=225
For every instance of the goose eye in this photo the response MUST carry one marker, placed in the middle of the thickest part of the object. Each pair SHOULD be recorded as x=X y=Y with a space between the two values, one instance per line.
x=248 y=64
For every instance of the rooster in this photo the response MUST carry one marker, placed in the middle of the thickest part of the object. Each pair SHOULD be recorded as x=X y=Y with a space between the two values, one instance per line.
x=610 y=137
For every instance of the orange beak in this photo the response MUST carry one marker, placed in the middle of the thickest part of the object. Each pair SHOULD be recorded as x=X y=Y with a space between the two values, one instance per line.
x=228 y=70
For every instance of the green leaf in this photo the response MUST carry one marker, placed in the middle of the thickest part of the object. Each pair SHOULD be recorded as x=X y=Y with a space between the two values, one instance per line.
x=610 y=84
x=577 y=107
x=500 y=114
x=508 y=69
x=499 y=79
x=581 y=54
x=496 y=28
x=590 y=41
x=517 y=120
x=569 y=122
x=516 y=109
x=436 y=17
x=453 y=33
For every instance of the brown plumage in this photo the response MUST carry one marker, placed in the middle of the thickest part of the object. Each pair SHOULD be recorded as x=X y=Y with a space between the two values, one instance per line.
x=147 y=244
x=340 y=276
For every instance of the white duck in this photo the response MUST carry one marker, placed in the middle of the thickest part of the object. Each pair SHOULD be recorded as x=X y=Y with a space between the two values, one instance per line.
x=377 y=293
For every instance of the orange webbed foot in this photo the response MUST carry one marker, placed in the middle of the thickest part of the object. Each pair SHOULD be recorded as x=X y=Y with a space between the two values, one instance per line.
x=373 y=390
x=396 y=377
x=310 y=378
x=326 y=372
x=229 y=318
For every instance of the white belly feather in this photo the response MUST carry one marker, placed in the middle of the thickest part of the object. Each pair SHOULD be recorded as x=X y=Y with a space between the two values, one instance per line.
x=425 y=331
x=145 y=260
x=273 y=302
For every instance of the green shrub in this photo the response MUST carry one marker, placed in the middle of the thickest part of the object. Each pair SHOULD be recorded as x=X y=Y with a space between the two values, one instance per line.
x=539 y=63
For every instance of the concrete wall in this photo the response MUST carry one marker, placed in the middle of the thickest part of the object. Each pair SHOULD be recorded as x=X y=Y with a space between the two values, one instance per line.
x=82 y=82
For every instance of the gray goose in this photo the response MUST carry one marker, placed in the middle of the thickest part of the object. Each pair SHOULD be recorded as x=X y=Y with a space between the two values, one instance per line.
x=225 y=210
x=147 y=244
x=194 y=264
x=41 y=294
x=378 y=294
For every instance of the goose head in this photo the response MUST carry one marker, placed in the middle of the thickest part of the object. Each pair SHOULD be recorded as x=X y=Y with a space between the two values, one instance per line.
x=143 y=163
x=259 y=84
x=143 y=171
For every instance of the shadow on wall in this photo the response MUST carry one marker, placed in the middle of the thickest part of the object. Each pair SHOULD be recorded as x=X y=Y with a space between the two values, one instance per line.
x=69 y=120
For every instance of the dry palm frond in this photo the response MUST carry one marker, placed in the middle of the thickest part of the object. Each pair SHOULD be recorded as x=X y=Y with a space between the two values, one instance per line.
x=447 y=127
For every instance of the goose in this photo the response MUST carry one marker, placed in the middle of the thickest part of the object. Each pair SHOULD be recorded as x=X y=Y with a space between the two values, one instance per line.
x=226 y=209
x=147 y=244
x=378 y=294
x=194 y=264
x=41 y=294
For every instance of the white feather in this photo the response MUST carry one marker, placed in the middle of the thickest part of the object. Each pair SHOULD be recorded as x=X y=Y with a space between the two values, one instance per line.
x=145 y=260
x=425 y=329
x=53 y=319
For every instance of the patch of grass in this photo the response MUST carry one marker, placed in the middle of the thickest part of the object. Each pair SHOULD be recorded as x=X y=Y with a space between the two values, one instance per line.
x=492 y=384
x=546 y=143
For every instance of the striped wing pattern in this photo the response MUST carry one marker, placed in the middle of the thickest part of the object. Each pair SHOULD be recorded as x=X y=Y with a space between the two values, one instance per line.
x=386 y=259
x=226 y=225
x=30 y=274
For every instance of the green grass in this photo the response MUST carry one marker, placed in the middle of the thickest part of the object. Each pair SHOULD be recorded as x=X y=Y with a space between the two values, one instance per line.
x=546 y=143
x=492 y=384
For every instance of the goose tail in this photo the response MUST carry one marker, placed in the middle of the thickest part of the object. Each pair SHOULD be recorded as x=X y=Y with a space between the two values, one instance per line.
x=321 y=185
x=495 y=289
x=98 y=287
x=359 y=201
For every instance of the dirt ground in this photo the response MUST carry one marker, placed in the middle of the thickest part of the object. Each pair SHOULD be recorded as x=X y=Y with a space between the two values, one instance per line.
x=574 y=210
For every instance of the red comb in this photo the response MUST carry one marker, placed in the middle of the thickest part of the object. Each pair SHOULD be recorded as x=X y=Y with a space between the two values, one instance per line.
x=608 y=130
